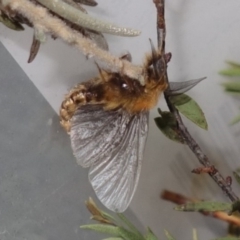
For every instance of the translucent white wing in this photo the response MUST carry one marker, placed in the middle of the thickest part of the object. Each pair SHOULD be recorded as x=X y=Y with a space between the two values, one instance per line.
x=112 y=144
x=92 y=130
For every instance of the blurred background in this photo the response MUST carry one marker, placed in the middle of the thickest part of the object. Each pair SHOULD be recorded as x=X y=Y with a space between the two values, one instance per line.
x=42 y=189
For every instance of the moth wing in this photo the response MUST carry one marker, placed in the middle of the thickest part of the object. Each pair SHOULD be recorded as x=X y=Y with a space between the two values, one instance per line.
x=91 y=131
x=114 y=176
x=114 y=154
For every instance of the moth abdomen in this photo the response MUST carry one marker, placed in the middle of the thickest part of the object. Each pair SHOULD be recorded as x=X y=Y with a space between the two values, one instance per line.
x=85 y=93
x=76 y=97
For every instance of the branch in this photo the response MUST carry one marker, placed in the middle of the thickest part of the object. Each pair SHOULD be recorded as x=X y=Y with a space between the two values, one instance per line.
x=183 y=132
x=45 y=22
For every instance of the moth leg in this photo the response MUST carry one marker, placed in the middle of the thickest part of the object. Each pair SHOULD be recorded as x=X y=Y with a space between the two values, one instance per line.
x=102 y=73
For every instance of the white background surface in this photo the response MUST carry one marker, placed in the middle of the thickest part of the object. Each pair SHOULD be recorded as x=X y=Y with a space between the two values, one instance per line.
x=200 y=35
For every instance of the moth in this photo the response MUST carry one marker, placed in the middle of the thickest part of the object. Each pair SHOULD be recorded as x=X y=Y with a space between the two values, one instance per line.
x=107 y=119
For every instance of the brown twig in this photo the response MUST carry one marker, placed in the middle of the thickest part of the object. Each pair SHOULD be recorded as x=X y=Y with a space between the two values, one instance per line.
x=180 y=199
x=200 y=170
x=183 y=132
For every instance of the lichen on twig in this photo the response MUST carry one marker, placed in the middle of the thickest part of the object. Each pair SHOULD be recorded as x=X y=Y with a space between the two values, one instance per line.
x=43 y=21
x=82 y=19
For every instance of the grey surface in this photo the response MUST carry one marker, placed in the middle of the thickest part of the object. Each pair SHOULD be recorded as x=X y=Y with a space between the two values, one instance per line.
x=42 y=189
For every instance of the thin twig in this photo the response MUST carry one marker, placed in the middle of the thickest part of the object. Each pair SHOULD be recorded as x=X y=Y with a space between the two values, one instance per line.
x=180 y=199
x=183 y=132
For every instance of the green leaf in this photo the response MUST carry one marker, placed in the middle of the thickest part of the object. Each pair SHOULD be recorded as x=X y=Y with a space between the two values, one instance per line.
x=237 y=177
x=103 y=228
x=129 y=224
x=14 y=25
x=233 y=64
x=190 y=109
x=232 y=72
x=228 y=238
x=126 y=234
x=233 y=86
x=113 y=238
x=168 y=126
x=195 y=236
x=234 y=94
x=235 y=207
x=205 y=206
x=235 y=120
x=169 y=236
x=150 y=235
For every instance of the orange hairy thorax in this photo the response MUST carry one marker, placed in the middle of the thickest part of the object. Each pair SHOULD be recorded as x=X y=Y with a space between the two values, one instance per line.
x=113 y=91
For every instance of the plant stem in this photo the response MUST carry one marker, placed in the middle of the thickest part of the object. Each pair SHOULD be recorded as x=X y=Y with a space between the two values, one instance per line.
x=183 y=132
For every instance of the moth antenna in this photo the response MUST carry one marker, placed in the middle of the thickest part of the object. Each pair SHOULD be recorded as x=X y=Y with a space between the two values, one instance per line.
x=101 y=72
x=155 y=55
x=147 y=61
x=157 y=61
x=154 y=51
